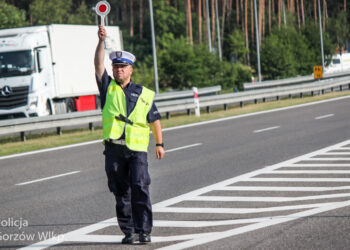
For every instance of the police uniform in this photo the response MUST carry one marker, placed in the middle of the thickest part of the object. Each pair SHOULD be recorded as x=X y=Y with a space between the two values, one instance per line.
x=126 y=162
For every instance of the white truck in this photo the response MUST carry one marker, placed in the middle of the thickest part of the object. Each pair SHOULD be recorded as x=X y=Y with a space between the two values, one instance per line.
x=340 y=62
x=50 y=69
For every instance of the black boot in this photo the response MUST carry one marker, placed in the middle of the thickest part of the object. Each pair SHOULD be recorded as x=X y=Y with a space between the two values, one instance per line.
x=144 y=237
x=129 y=239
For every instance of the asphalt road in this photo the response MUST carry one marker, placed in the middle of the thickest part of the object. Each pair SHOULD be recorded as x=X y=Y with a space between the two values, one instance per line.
x=62 y=194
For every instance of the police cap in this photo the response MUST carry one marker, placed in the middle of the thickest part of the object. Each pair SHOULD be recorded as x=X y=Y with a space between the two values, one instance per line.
x=122 y=57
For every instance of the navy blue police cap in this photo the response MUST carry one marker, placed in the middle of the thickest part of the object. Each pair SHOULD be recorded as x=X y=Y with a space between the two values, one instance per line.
x=122 y=57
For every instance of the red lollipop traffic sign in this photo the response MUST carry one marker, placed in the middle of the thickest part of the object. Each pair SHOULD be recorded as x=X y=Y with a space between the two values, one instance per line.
x=102 y=9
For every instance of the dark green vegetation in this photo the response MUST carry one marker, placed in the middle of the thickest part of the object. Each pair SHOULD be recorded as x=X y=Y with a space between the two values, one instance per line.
x=184 y=60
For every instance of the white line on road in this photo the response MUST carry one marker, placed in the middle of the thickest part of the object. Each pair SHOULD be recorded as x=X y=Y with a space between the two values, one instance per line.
x=266 y=129
x=318 y=165
x=328 y=159
x=298 y=180
x=220 y=210
x=47 y=178
x=323 y=116
x=309 y=172
x=267 y=199
x=184 y=147
x=279 y=189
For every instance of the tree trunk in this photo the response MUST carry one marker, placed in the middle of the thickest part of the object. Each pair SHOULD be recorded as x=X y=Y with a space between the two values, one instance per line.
x=205 y=22
x=269 y=15
x=131 y=18
x=141 y=19
x=315 y=11
x=298 y=14
x=213 y=21
x=125 y=7
x=190 y=20
x=279 y=13
x=200 y=21
x=237 y=11
x=252 y=20
x=260 y=19
x=324 y=15
x=345 y=5
x=246 y=29
x=302 y=12
x=223 y=20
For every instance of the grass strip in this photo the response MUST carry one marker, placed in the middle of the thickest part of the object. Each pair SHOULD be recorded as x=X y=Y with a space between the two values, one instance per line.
x=13 y=145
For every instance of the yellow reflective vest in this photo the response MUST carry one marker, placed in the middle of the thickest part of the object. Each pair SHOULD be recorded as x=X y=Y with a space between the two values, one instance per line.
x=135 y=125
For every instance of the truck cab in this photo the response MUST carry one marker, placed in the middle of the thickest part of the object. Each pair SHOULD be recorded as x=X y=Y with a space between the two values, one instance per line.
x=24 y=82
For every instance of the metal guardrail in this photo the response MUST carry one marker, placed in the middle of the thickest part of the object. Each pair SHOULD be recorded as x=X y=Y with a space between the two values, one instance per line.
x=186 y=94
x=90 y=117
x=290 y=81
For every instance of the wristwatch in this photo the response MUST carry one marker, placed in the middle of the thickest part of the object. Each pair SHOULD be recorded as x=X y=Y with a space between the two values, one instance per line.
x=160 y=145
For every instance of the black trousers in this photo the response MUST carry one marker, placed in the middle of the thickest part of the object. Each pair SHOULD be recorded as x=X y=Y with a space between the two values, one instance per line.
x=129 y=180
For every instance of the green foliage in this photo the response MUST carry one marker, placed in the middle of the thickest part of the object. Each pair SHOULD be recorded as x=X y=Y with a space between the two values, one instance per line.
x=83 y=16
x=48 y=12
x=11 y=17
x=338 y=29
x=235 y=46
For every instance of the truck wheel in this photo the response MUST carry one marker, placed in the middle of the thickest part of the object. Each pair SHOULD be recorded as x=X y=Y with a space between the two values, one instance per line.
x=60 y=107
x=70 y=105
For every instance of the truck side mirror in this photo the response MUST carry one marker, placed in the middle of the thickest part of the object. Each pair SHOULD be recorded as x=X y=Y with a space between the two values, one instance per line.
x=41 y=59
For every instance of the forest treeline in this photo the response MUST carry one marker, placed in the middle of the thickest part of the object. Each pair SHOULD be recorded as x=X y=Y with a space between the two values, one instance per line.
x=288 y=35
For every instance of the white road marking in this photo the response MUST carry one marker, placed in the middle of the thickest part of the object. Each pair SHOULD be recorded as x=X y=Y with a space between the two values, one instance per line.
x=323 y=116
x=298 y=180
x=266 y=129
x=268 y=199
x=185 y=126
x=280 y=189
x=337 y=153
x=47 y=178
x=310 y=172
x=85 y=234
x=252 y=227
x=328 y=159
x=184 y=147
x=216 y=210
x=320 y=165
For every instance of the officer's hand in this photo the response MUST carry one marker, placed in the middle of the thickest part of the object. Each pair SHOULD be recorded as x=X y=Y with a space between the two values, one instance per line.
x=160 y=152
x=102 y=33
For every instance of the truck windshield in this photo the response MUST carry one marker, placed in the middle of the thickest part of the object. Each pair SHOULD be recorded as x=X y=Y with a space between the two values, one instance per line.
x=16 y=63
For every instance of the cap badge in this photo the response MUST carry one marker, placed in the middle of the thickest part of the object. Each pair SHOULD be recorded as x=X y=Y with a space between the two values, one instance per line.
x=118 y=54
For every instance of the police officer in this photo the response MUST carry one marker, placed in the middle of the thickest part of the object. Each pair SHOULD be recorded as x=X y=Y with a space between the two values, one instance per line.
x=126 y=109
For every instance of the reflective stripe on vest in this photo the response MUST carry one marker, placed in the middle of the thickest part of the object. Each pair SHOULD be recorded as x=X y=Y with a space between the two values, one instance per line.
x=137 y=133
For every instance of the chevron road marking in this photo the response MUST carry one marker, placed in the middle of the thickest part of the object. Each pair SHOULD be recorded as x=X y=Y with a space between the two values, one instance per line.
x=317 y=202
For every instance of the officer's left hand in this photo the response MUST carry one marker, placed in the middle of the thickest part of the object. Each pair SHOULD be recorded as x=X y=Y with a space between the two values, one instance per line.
x=160 y=152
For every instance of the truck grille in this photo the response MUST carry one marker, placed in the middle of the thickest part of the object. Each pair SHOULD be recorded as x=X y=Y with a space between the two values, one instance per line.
x=18 y=98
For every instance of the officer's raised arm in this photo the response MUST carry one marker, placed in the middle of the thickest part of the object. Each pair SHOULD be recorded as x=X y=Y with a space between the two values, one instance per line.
x=100 y=52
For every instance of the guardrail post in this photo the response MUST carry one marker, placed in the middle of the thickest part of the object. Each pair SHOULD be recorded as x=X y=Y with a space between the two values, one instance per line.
x=241 y=104
x=167 y=115
x=332 y=89
x=349 y=86
x=255 y=101
x=341 y=87
x=208 y=109
x=301 y=95
x=23 y=136
x=225 y=107
x=188 y=112
x=59 y=131
x=290 y=96
x=312 y=93
x=264 y=99
x=278 y=98
x=322 y=91
x=91 y=126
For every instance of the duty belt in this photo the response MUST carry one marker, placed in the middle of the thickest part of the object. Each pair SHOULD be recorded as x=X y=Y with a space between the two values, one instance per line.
x=123 y=119
x=117 y=141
